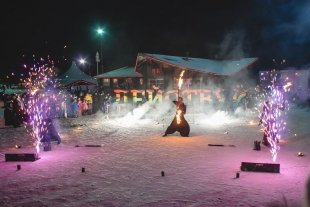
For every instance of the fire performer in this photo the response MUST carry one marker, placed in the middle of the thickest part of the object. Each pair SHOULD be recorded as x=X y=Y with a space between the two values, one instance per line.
x=179 y=123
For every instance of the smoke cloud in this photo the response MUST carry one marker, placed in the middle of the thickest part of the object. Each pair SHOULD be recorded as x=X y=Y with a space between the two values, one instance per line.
x=233 y=45
x=285 y=28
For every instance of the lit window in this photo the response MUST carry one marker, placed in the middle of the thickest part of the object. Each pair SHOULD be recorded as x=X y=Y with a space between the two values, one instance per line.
x=156 y=82
x=106 y=82
x=155 y=71
x=115 y=82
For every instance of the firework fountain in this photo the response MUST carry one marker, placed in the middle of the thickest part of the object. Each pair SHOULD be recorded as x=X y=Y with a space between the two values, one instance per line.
x=271 y=117
x=41 y=86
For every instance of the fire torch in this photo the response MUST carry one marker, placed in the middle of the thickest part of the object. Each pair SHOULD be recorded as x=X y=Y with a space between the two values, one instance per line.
x=179 y=112
x=180 y=82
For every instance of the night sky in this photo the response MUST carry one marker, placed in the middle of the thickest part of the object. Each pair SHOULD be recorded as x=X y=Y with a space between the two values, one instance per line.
x=65 y=30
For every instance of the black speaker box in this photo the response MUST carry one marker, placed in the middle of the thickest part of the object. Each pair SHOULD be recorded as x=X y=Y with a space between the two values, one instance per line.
x=260 y=167
x=16 y=157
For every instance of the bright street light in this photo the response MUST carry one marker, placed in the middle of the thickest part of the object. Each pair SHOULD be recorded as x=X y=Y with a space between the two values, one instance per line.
x=82 y=61
x=100 y=33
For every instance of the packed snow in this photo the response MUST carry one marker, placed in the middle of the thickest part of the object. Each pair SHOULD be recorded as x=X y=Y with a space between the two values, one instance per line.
x=125 y=165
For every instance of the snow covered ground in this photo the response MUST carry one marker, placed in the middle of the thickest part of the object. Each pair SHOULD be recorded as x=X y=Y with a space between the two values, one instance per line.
x=126 y=170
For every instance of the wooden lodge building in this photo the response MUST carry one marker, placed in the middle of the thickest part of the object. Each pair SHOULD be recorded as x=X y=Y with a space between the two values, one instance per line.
x=162 y=72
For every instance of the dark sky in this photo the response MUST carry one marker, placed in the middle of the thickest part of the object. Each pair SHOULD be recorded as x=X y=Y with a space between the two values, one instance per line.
x=206 y=29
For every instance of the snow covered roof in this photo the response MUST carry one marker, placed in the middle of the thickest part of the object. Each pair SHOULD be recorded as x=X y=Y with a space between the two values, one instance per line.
x=215 y=67
x=74 y=76
x=124 y=72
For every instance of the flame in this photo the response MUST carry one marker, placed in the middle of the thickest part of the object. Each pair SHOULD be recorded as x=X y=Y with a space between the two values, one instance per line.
x=181 y=79
x=178 y=116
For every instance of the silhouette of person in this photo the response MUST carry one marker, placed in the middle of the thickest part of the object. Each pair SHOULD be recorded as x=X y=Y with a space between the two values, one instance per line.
x=179 y=123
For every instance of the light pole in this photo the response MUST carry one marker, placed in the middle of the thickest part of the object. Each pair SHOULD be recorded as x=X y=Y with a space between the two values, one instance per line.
x=83 y=62
x=100 y=32
x=97 y=60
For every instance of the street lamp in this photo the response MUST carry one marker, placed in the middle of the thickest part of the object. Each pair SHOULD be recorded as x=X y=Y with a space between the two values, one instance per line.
x=83 y=61
x=97 y=60
x=100 y=33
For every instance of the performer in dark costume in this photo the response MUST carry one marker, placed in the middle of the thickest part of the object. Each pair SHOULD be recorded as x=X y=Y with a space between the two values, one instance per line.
x=179 y=123
x=50 y=134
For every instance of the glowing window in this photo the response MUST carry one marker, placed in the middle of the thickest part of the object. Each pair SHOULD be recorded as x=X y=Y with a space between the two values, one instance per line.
x=106 y=82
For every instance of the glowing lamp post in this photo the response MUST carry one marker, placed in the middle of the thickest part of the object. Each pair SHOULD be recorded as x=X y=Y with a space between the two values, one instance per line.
x=97 y=60
x=100 y=33
x=83 y=61
x=180 y=82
